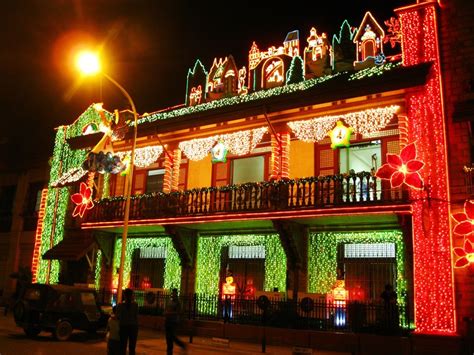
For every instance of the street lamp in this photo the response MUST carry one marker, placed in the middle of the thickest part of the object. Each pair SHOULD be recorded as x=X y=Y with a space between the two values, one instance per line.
x=89 y=64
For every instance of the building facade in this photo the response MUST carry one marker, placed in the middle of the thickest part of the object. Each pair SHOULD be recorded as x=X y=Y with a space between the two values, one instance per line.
x=324 y=169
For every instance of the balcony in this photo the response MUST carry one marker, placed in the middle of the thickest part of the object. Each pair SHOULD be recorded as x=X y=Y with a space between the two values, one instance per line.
x=333 y=191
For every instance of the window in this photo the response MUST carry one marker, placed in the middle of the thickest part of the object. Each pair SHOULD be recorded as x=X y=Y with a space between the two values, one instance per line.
x=250 y=169
x=365 y=157
x=154 y=180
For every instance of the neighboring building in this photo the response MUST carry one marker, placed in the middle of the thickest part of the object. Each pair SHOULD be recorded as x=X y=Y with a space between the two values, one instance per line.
x=260 y=176
x=20 y=204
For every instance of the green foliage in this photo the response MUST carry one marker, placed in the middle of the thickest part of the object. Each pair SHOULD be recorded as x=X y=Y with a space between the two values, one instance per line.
x=296 y=72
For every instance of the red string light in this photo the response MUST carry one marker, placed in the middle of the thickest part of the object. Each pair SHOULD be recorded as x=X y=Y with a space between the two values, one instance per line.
x=39 y=231
x=433 y=271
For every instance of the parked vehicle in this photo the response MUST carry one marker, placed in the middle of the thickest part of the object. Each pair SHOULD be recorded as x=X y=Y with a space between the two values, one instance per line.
x=58 y=309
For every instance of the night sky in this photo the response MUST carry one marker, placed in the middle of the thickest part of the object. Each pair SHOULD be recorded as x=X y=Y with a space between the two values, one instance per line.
x=148 y=45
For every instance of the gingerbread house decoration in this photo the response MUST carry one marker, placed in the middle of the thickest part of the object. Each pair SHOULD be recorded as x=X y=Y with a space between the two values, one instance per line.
x=267 y=69
x=223 y=78
x=316 y=54
x=369 y=43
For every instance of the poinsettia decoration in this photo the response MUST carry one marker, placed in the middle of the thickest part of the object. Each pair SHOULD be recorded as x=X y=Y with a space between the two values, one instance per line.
x=465 y=221
x=403 y=168
x=466 y=254
x=83 y=200
x=465 y=228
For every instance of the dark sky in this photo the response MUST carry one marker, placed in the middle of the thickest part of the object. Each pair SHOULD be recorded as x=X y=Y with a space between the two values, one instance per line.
x=149 y=46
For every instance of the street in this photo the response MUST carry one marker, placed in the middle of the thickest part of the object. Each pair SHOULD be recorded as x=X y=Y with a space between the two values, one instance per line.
x=14 y=342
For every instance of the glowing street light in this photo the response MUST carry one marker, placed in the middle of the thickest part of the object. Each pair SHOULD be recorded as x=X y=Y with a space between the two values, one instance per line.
x=89 y=64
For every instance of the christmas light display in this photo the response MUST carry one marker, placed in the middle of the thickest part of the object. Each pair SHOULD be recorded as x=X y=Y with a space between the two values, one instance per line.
x=73 y=175
x=89 y=117
x=466 y=254
x=433 y=280
x=322 y=259
x=98 y=268
x=64 y=159
x=285 y=155
x=144 y=156
x=172 y=274
x=363 y=122
x=82 y=200
x=403 y=168
x=465 y=221
x=464 y=228
x=208 y=263
x=168 y=174
x=235 y=100
x=239 y=143
x=175 y=169
x=219 y=153
x=340 y=135
x=39 y=230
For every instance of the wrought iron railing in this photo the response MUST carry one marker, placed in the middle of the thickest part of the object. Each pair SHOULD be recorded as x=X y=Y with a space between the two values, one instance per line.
x=313 y=192
x=368 y=316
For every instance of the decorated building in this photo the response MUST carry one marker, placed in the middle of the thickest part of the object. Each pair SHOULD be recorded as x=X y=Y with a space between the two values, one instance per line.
x=320 y=174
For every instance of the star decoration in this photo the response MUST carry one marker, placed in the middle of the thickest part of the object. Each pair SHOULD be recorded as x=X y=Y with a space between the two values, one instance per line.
x=403 y=168
x=83 y=200
x=340 y=135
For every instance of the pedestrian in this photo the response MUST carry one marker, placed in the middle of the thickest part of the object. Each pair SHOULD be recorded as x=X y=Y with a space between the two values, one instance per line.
x=389 y=297
x=127 y=314
x=172 y=313
x=113 y=334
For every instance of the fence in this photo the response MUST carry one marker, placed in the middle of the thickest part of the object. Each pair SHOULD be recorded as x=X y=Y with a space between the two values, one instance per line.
x=305 y=314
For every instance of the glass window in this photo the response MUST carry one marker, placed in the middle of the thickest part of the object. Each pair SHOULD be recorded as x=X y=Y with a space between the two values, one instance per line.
x=248 y=169
x=360 y=157
x=87 y=298
x=154 y=181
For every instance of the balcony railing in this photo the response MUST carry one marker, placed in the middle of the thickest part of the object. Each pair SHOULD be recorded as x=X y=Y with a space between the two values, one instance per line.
x=306 y=193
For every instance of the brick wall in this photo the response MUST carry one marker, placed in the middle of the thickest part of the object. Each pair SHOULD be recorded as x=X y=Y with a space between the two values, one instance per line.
x=457 y=64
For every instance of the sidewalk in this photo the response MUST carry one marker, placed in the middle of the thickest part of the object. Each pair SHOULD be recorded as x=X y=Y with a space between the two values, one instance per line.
x=150 y=342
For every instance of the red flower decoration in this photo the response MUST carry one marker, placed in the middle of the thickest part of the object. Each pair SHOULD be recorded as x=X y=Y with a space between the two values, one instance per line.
x=402 y=168
x=83 y=200
x=465 y=221
x=466 y=254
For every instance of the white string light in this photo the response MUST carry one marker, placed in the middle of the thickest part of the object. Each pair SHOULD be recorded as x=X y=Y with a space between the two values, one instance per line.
x=72 y=175
x=363 y=122
x=144 y=156
x=238 y=143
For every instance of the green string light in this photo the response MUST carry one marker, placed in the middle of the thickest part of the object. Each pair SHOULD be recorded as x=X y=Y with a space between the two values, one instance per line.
x=209 y=263
x=322 y=259
x=172 y=277
x=98 y=268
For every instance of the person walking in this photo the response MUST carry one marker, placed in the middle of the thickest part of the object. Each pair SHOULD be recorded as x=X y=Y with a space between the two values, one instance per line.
x=127 y=314
x=113 y=334
x=172 y=312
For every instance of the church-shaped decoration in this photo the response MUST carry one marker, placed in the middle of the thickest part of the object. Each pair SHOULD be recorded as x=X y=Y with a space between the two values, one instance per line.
x=196 y=85
x=223 y=80
x=343 y=50
x=268 y=69
x=316 y=55
x=369 y=43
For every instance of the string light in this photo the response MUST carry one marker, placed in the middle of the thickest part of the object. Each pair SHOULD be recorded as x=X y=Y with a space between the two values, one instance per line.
x=98 y=268
x=172 y=274
x=322 y=259
x=208 y=263
x=285 y=154
x=168 y=174
x=39 y=230
x=175 y=170
x=432 y=258
x=71 y=176
x=144 y=156
x=239 y=143
x=363 y=122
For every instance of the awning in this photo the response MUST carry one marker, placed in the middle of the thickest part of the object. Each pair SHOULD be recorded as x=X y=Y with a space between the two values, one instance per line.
x=72 y=248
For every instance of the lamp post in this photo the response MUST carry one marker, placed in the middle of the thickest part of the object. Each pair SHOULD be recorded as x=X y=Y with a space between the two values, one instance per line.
x=88 y=63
